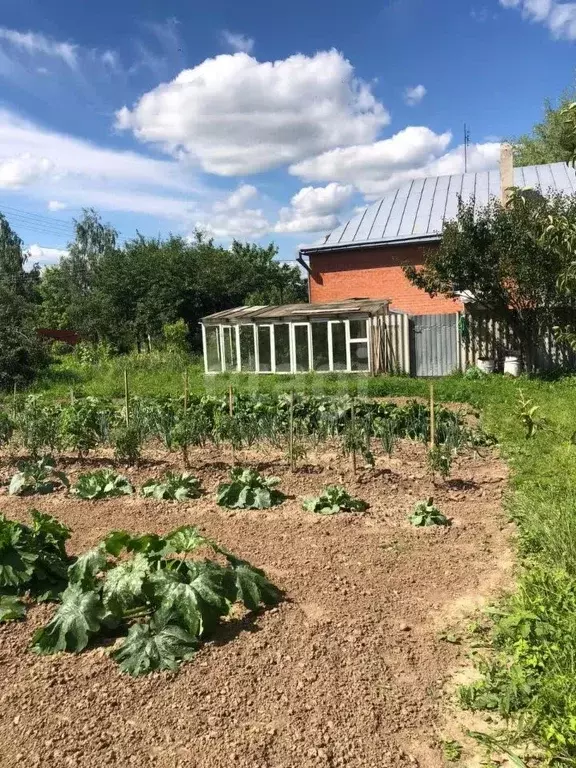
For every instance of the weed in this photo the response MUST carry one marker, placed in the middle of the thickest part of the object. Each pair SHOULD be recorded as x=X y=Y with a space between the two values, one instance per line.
x=426 y=514
x=452 y=751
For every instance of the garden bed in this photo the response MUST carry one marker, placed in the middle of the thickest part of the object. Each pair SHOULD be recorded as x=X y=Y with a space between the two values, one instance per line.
x=347 y=671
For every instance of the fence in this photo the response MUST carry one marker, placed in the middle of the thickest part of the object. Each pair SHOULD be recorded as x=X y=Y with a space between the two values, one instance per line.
x=437 y=345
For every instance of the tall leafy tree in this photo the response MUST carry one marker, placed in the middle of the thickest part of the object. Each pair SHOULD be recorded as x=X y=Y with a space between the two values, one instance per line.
x=21 y=353
x=549 y=141
x=499 y=257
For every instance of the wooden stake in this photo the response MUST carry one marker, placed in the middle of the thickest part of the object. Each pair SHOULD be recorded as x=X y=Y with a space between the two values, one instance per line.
x=291 y=432
x=230 y=401
x=185 y=446
x=126 y=397
x=353 y=430
x=71 y=395
x=432 y=419
x=14 y=401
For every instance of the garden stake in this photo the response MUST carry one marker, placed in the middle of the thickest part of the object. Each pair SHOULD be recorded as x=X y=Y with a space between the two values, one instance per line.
x=71 y=395
x=231 y=414
x=185 y=446
x=432 y=425
x=291 y=432
x=353 y=430
x=126 y=397
x=14 y=401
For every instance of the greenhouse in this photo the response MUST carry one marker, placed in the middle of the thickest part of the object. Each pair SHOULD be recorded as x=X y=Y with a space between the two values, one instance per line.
x=296 y=338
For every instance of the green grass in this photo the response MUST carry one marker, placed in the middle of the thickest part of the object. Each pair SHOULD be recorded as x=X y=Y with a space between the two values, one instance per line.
x=530 y=673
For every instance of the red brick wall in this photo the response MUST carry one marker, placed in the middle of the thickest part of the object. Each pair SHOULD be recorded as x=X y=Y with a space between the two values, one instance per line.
x=374 y=273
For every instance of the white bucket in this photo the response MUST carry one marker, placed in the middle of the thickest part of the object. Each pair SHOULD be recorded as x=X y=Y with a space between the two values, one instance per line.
x=485 y=365
x=512 y=365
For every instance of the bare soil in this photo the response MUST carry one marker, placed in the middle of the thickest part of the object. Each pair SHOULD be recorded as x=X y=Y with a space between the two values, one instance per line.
x=348 y=671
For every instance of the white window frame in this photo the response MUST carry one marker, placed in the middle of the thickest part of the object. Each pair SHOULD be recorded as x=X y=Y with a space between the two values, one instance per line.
x=330 y=350
x=359 y=340
x=257 y=327
x=205 y=346
x=293 y=327
x=290 y=346
x=234 y=334
x=253 y=326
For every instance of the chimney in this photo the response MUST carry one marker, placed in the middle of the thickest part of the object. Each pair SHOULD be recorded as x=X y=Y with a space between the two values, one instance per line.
x=506 y=172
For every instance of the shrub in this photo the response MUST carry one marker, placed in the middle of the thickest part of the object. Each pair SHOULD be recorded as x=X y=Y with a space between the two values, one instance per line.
x=37 y=477
x=150 y=584
x=33 y=561
x=101 y=484
x=127 y=442
x=249 y=490
x=332 y=500
x=173 y=486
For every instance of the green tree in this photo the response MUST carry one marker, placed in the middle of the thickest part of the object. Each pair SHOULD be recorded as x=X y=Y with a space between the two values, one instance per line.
x=549 y=141
x=21 y=353
x=498 y=256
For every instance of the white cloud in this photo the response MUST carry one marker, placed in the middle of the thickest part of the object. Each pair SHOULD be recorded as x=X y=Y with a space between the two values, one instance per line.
x=23 y=169
x=237 y=41
x=230 y=218
x=412 y=147
x=234 y=115
x=560 y=18
x=81 y=173
x=414 y=152
x=414 y=95
x=38 y=254
x=36 y=43
x=56 y=205
x=314 y=209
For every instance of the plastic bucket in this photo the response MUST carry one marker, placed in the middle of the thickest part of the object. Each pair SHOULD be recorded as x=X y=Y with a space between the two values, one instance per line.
x=512 y=365
x=485 y=365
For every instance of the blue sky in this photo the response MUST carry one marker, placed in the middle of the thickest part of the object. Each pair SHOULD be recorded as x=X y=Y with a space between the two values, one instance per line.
x=257 y=120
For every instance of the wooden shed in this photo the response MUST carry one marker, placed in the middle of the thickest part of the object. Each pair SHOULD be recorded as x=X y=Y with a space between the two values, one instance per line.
x=341 y=336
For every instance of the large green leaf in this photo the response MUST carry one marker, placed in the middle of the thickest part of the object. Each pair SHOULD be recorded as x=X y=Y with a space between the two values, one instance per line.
x=123 y=584
x=11 y=608
x=154 y=646
x=17 y=556
x=49 y=529
x=87 y=567
x=252 y=585
x=185 y=539
x=116 y=541
x=77 y=620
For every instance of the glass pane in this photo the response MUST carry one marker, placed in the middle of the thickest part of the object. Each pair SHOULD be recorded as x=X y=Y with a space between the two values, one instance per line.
x=338 y=346
x=301 y=343
x=320 y=358
x=359 y=356
x=358 y=329
x=213 y=349
x=264 y=349
x=247 y=357
x=282 y=347
x=229 y=336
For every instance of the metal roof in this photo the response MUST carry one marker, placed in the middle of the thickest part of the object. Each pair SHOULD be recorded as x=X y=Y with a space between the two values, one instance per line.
x=295 y=312
x=416 y=211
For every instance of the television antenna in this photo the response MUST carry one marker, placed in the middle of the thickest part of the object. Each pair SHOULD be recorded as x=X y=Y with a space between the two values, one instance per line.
x=466 y=145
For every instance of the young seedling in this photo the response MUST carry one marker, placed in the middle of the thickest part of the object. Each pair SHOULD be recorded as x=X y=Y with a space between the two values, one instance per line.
x=440 y=460
x=334 y=499
x=249 y=490
x=37 y=477
x=173 y=486
x=426 y=514
x=101 y=484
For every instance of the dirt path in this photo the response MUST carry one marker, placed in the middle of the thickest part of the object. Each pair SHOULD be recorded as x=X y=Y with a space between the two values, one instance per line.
x=348 y=671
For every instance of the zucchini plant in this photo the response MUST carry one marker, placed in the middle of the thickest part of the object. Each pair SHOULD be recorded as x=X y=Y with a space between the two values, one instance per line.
x=149 y=589
x=37 y=476
x=334 y=499
x=101 y=484
x=33 y=562
x=173 y=486
x=426 y=514
x=248 y=489
x=81 y=425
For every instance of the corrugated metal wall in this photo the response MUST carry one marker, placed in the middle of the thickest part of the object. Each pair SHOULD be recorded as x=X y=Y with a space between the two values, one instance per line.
x=435 y=345
x=397 y=348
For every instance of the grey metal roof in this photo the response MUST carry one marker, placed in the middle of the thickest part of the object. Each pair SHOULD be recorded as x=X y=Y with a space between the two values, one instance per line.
x=415 y=212
x=295 y=312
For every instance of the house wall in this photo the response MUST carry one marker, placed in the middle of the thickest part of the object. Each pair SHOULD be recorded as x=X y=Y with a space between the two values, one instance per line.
x=375 y=273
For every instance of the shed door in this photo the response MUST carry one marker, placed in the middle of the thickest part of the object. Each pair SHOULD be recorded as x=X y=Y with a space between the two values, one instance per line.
x=435 y=345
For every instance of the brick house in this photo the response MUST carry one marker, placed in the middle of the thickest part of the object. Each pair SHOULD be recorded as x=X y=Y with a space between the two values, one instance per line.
x=363 y=257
